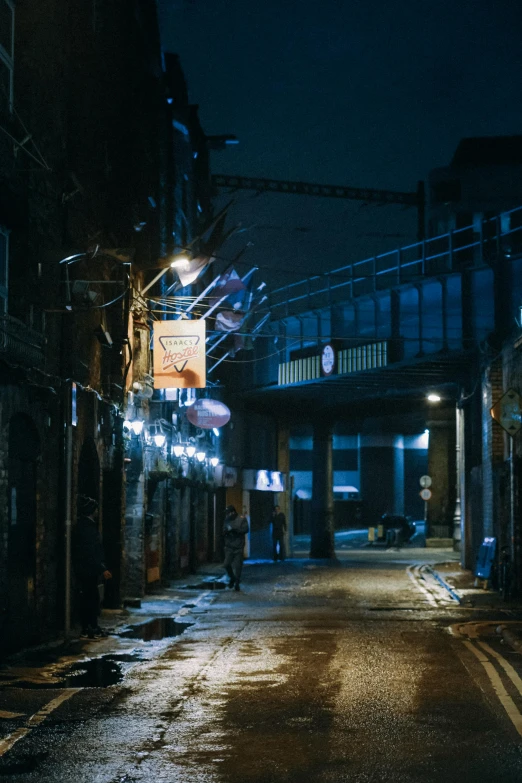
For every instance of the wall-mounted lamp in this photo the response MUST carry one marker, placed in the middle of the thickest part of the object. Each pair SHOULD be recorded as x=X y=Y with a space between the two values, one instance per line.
x=159 y=439
x=433 y=398
x=137 y=426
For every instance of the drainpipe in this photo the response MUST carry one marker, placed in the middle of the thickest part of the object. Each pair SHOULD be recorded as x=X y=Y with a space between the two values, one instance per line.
x=68 y=524
x=457 y=516
x=512 y=547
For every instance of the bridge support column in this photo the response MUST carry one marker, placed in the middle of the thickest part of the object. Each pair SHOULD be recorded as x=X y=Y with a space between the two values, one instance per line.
x=442 y=469
x=322 y=538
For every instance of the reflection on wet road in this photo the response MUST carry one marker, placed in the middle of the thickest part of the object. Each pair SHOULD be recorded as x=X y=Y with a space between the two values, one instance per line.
x=315 y=672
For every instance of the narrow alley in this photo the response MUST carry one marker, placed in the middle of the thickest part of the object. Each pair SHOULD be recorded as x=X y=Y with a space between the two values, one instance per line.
x=348 y=670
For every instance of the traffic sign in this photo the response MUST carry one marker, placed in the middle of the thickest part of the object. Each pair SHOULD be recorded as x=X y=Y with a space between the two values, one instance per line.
x=425 y=481
x=508 y=411
x=425 y=494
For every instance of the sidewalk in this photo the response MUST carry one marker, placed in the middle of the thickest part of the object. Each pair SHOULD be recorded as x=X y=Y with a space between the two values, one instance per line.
x=461 y=583
x=133 y=634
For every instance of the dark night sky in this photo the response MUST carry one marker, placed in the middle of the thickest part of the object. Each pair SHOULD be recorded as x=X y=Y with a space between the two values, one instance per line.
x=361 y=92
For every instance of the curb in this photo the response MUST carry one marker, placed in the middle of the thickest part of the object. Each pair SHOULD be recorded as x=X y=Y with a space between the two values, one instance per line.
x=513 y=639
x=444 y=584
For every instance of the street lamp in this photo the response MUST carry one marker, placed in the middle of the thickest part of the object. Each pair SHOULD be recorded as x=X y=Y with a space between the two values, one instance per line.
x=433 y=398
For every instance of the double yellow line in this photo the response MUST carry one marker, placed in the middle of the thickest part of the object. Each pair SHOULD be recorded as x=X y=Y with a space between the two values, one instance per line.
x=488 y=658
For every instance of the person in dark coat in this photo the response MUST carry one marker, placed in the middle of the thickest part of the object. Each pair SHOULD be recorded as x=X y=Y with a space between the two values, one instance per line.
x=278 y=533
x=89 y=568
x=234 y=530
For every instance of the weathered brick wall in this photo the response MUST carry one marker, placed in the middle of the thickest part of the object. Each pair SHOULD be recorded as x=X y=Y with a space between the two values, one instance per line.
x=492 y=441
x=41 y=407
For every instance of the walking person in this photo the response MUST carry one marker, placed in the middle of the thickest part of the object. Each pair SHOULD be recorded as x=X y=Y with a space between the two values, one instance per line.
x=89 y=568
x=234 y=530
x=278 y=534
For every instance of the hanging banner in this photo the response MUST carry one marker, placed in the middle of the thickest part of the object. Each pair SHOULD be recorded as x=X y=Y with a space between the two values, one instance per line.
x=179 y=355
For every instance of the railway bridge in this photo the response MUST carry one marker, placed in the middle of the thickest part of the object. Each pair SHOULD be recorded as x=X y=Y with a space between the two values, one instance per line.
x=378 y=353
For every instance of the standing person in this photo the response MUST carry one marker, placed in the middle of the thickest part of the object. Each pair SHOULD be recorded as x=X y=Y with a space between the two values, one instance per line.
x=278 y=533
x=234 y=530
x=90 y=570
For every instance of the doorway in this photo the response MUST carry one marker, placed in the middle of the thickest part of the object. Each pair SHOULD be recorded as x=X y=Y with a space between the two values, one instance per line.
x=24 y=450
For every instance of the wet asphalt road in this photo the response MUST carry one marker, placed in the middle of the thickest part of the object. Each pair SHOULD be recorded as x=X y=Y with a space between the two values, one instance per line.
x=314 y=673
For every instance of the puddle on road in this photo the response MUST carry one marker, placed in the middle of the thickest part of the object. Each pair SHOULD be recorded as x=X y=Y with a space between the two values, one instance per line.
x=99 y=672
x=154 y=630
x=96 y=673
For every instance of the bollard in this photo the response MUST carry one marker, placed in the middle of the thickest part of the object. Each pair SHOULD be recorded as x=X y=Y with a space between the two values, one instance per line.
x=371 y=534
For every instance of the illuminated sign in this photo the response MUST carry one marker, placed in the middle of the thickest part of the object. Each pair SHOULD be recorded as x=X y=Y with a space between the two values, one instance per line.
x=264 y=480
x=179 y=354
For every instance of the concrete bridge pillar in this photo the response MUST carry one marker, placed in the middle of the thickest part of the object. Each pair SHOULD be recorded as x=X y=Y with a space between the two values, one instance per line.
x=322 y=532
x=442 y=469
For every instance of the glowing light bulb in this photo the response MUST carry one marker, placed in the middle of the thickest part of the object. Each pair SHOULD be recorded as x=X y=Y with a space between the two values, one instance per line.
x=191 y=450
x=180 y=262
x=159 y=439
x=200 y=456
x=137 y=426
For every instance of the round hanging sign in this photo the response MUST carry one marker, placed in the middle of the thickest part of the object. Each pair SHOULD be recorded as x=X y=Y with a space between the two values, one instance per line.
x=207 y=414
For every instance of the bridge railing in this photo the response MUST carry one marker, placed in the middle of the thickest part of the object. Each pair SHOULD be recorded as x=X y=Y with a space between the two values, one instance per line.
x=471 y=246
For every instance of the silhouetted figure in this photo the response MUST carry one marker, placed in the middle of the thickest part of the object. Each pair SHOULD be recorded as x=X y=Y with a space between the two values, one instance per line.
x=278 y=534
x=234 y=530
x=89 y=568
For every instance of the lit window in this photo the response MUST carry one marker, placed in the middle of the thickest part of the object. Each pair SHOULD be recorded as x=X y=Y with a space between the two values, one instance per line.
x=4 y=260
x=6 y=52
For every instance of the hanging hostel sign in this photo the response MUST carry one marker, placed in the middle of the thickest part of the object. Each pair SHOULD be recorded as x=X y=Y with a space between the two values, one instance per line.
x=179 y=355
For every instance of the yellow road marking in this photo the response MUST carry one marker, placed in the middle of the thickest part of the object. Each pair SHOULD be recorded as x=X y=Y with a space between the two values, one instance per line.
x=510 y=671
x=415 y=578
x=494 y=677
x=35 y=720
x=6 y=715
